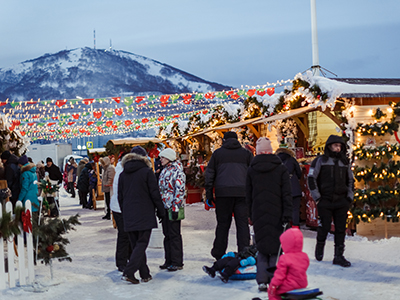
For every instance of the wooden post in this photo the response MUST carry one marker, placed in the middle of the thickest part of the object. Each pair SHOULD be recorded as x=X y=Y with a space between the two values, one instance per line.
x=2 y=266
x=386 y=229
x=11 y=255
x=3 y=185
x=21 y=252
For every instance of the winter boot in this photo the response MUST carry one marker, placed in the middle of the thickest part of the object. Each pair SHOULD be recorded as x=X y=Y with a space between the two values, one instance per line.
x=224 y=278
x=209 y=271
x=339 y=258
x=263 y=287
x=319 y=250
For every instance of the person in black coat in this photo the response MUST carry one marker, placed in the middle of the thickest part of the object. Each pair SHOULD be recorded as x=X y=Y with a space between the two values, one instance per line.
x=83 y=185
x=139 y=199
x=53 y=170
x=269 y=197
x=331 y=184
x=226 y=172
x=288 y=158
x=12 y=174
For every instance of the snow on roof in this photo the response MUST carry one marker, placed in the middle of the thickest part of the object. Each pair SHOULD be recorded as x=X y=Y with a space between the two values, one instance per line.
x=360 y=87
x=135 y=141
x=98 y=150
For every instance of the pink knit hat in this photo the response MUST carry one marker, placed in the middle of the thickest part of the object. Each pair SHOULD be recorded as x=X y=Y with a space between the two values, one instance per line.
x=263 y=146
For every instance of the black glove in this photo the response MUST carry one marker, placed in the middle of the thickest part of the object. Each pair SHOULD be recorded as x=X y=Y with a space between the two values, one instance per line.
x=210 y=203
x=160 y=217
x=210 y=195
x=174 y=215
x=286 y=220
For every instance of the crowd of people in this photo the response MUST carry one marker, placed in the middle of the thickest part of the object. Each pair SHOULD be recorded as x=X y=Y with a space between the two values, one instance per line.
x=261 y=190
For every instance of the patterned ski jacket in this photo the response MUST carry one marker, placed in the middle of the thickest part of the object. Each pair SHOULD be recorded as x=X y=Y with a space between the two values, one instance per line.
x=172 y=185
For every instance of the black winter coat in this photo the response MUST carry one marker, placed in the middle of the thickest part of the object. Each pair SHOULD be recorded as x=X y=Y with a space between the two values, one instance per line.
x=12 y=174
x=269 y=198
x=83 y=180
x=227 y=170
x=286 y=155
x=138 y=194
x=330 y=178
x=54 y=173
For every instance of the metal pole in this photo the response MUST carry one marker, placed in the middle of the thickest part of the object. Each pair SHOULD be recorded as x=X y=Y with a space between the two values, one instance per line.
x=314 y=39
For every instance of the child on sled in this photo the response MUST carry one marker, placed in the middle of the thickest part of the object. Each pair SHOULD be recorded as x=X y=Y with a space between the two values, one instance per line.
x=291 y=269
x=230 y=262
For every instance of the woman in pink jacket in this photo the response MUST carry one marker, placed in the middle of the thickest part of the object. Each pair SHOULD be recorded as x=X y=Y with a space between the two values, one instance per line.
x=292 y=265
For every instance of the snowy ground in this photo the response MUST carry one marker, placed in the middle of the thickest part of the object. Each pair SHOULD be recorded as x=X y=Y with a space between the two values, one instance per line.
x=375 y=273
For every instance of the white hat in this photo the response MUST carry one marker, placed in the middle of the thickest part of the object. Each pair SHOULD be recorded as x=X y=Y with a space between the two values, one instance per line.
x=169 y=154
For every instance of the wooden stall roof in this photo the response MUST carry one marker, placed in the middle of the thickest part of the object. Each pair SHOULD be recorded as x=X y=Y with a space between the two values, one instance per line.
x=135 y=141
x=228 y=126
x=286 y=114
x=98 y=150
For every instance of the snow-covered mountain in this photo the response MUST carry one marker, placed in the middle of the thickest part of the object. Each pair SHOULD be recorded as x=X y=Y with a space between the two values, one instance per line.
x=93 y=73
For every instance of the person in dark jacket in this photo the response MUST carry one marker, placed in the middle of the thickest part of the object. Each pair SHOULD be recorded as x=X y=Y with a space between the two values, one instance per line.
x=53 y=170
x=81 y=165
x=331 y=184
x=84 y=184
x=139 y=200
x=226 y=172
x=269 y=197
x=92 y=187
x=12 y=174
x=287 y=156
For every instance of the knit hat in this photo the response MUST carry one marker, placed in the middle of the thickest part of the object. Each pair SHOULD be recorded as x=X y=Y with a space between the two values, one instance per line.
x=48 y=160
x=5 y=155
x=230 y=135
x=139 y=150
x=263 y=145
x=168 y=153
x=23 y=160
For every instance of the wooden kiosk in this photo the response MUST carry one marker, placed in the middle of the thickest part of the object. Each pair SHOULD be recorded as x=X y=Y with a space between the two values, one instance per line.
x=366 y=111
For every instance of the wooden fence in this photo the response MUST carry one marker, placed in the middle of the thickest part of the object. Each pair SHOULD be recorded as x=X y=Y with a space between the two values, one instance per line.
x=20 y=263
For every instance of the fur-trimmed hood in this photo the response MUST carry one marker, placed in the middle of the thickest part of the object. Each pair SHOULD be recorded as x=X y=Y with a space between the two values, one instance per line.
x=135 y=157
x=286 y=151
x=27 y=167
x=105 y=161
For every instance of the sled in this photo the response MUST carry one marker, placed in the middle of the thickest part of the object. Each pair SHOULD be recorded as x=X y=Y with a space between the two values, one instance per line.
x=244 y=273
x=306 y=293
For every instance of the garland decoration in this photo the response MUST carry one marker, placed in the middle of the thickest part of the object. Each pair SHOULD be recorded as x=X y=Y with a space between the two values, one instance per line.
x=380 y=196
x=384 y=172
x=9 y=224
x=361 y=152
x=302 y=91
x=253 y=108
x=379 y=128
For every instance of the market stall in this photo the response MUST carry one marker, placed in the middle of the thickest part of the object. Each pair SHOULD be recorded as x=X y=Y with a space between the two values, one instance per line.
x=303 y=117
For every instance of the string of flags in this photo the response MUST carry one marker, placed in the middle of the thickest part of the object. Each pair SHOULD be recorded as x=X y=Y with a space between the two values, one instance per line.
x=68 y=118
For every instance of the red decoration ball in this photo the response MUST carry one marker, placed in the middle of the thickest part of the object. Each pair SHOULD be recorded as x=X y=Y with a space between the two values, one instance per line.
x=50 y=248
